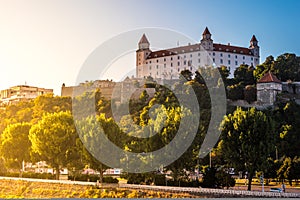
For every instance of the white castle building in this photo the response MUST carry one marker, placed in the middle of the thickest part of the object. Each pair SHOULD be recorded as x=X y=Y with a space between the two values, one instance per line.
x=168 y=63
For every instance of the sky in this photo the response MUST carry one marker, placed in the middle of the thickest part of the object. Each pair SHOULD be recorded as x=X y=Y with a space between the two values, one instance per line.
x=44 y=43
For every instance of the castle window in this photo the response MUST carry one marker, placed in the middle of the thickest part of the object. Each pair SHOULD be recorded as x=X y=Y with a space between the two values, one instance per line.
x=228 y=62
x=184 y=56
x=178 y=70
x=178 y=63
x=214 y=60
x=243 y=57
x=235 y=56
x=243 y=63
x=164 y=60
x=191 y=68
x=157 y=61
x=156 y=66
x=184 y=62
x=221 y=54
x=191 y=55
x=171 y=70
x=171 y=58
x=199 y=60
x=221 y=61
x=164 y=65
x=150 y=61
x=214 y=54
x=178 y=57
x=146 y=62
x=252 y=64
x=199 y=54
x=251 y=58
x=156 y=73
x=149 y=67
x=236 y=62
x=171 y=64
x=228 y=55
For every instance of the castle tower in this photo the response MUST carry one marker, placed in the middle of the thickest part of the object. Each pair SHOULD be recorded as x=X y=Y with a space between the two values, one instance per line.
x=141 y=54
x=254 y=46
x=267 y=88
x=206 y=41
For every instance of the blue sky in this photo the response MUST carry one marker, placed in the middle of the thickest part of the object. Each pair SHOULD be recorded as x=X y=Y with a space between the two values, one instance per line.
x=44 y=43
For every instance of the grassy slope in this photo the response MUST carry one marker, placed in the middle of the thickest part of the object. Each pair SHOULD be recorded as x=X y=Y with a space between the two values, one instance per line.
x=24 y=189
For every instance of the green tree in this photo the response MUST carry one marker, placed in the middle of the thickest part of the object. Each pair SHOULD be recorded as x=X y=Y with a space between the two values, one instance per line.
x=53 y=138
x=247 y=140
x=89 y=130
x=244 y=74
x=15 y=144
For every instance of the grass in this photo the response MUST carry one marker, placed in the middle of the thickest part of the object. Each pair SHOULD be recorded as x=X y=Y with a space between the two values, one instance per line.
x=24 y=189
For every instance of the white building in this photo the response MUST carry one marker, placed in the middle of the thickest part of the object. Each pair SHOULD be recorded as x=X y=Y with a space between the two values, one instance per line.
x=168 y=63
x=22 y=93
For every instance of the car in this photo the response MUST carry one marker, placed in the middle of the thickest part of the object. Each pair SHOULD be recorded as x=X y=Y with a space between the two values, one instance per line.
x=279 y=190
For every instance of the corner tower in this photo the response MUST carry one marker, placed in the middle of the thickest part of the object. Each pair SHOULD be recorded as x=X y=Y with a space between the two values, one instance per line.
x=254 y=49
x=142 y=54
x=206 y=41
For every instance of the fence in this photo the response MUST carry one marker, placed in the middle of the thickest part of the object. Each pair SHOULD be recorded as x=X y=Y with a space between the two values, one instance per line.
x=219 y=192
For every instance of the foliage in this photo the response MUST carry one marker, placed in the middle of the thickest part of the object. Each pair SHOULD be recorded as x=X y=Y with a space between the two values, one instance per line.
x=235 y=92
x=15 y=144
x=53 y=137
x=244 y=74
x=285 y=67
x=247 y=140
x=216 y=178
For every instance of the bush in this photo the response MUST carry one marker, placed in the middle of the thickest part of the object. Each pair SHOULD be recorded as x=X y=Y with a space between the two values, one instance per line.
x=30 y=175
x=93 y=178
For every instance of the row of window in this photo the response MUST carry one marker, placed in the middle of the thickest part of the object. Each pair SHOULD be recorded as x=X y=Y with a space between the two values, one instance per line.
x=191 y=55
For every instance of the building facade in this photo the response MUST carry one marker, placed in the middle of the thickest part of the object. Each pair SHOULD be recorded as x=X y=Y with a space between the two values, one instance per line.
x=267 y=88
x=22 y=93
x=168 y=63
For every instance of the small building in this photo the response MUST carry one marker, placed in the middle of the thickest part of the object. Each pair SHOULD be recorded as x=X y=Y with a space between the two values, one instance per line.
x=22 y=93
x=267 y=89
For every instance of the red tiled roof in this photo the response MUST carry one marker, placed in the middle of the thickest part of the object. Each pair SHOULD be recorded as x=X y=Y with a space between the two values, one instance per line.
x=269 y=77
x=232 y=49
x=174 y=51
x=143 y=39
x=196 y=47
x=253 y=39
x=206 y=31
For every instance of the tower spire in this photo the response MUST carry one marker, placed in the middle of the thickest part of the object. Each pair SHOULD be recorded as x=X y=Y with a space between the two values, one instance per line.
x=144 y=43
x=206 y=32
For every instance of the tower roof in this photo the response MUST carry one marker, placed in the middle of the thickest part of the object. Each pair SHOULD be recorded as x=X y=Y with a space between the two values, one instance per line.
x=143 y=39
x=269 y=77
x=206 y=31
x=253 y=39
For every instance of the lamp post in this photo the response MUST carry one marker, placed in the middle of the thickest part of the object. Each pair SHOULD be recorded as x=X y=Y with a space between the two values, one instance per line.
x=210 y=159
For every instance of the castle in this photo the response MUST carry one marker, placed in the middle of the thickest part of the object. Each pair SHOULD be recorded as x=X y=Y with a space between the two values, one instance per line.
x=168 y=63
